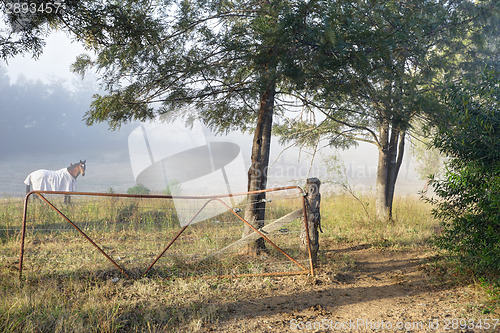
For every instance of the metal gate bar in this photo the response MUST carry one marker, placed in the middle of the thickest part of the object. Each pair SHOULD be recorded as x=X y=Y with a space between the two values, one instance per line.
x=242 y=219
x=209 y=199
x=75 y=226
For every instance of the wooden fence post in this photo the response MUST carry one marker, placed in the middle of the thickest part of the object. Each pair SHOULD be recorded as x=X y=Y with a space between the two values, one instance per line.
x=313 y=200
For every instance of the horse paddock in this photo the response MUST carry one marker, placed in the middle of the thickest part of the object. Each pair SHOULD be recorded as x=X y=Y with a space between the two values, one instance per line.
x=368 y=273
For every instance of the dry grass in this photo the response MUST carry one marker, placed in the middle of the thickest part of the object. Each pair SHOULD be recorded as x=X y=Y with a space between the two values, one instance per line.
x=344 y=220
x=134 y=232
x=66 y=298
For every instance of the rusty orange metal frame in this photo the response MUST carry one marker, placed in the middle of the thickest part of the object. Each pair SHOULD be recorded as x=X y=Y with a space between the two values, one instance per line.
x=209 y=199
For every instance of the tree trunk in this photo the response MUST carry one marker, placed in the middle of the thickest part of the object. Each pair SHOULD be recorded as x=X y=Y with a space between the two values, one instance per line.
x=390 y=157
x=257 y=174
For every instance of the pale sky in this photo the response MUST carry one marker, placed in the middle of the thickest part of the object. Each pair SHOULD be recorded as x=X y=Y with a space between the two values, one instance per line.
x=53 y=65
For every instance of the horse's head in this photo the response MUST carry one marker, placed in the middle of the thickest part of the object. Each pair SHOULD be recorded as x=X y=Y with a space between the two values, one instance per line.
x=77 y=169
x=82 y=165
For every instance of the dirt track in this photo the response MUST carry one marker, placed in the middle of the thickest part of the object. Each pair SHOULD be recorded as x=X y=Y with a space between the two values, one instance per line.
x=372 y=290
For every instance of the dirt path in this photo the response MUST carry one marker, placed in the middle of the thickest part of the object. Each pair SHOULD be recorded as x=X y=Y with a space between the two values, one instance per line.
x=370 y=290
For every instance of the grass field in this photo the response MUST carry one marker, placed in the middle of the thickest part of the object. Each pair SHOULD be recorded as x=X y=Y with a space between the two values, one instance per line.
x=68 y=286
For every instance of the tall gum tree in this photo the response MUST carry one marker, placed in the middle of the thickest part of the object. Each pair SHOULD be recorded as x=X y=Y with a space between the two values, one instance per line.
x=220 y=58
x=228 y=61
x=375 y=67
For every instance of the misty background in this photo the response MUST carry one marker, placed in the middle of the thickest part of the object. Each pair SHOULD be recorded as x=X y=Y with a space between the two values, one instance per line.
x=41 y=127
x=41 y=109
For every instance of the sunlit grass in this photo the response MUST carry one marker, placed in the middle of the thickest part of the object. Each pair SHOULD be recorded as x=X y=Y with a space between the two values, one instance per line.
x=344 y=220
x=60 y=296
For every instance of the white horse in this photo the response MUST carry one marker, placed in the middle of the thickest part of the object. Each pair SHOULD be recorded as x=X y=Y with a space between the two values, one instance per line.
x=60 y=180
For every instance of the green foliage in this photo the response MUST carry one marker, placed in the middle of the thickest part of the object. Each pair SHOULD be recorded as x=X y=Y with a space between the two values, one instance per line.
x=138 y=189
x=469 y=202
x=216 y=57
x=173 y=187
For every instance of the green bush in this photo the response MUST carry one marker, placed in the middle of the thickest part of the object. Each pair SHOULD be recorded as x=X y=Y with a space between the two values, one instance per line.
x=469 y=195
x=138 y=189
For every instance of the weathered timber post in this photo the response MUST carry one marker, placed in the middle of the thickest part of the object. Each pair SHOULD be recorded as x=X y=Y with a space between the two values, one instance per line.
x=313 y=200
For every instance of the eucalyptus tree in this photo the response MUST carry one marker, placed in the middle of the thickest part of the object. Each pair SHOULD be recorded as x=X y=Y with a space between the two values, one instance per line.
x=377 y=66
x=230 y=61
x=370 y=67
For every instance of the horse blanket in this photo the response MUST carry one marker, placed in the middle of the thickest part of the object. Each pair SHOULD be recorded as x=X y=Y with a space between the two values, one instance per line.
x=46 y=180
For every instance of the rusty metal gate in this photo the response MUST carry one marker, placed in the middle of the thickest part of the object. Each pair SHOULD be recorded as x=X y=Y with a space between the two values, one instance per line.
x=214 y=245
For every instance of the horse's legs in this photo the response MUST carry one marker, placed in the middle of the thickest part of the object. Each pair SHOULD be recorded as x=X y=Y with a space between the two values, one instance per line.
x=28 y=190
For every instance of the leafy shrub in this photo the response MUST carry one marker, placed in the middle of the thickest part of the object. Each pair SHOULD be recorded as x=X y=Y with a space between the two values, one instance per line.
x=469 y=205
x=138 y=189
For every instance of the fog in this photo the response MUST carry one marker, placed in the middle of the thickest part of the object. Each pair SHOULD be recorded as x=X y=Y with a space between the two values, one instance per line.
x=41 y=127
x=37 y=117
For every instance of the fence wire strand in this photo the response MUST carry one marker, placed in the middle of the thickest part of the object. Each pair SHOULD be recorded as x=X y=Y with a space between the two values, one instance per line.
x=133 y=232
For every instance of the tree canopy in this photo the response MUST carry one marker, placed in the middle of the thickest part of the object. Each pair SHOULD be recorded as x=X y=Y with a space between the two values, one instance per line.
x=370 y=68
x=350 y=58
x=216 y=57
x=378 y=69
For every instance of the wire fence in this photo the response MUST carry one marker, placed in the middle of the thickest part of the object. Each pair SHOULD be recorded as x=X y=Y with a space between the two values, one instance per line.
x=107 y=234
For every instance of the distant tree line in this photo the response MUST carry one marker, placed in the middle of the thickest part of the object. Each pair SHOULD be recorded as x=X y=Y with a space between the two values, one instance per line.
x=40 y=118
